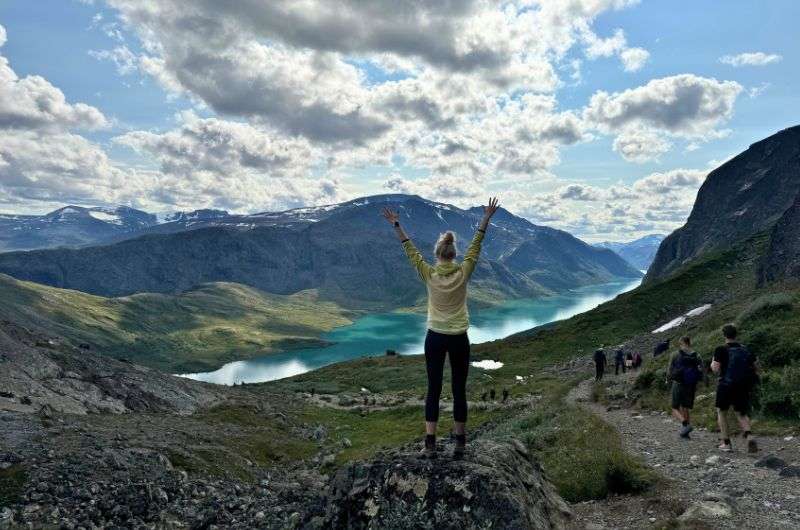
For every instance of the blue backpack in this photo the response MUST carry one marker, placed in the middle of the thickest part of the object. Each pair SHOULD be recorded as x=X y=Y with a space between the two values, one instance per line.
x=690 y=370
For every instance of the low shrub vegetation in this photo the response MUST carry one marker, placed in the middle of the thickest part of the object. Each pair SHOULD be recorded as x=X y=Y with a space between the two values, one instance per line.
x=581 y=454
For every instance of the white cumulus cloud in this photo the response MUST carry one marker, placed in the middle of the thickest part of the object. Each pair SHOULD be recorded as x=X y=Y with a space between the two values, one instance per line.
x=32 y=103
x=751 y=59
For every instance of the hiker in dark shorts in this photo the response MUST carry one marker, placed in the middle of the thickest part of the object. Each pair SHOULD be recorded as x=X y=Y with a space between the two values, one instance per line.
x=685 y=371
x=738 y=374
x=619 y=361
x=600 y=361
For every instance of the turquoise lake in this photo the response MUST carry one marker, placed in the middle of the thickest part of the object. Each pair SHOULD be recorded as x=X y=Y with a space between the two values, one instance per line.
x=405 y=333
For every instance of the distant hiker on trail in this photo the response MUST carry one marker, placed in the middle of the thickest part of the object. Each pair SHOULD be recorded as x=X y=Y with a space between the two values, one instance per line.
x=738 y=375
x=629 y=360
x=685 y=371
x=637 y=360
x=600 y=361
x=448 y=321
x=619 y=361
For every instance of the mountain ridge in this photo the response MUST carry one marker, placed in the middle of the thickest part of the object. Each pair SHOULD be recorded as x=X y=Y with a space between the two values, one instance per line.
x=70 y=226
x=346 y=251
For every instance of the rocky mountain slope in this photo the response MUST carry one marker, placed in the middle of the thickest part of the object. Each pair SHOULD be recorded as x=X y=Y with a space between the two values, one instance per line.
x=745 y=196
x=346 y=252
x=70 y=226
x=640 y=252
x=44 y=374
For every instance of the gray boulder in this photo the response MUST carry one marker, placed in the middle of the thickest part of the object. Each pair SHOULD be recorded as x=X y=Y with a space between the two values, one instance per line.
x=497 y=483
x=770 y=462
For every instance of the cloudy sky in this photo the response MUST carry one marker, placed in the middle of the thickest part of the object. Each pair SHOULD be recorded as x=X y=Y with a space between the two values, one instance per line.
x=601 y=117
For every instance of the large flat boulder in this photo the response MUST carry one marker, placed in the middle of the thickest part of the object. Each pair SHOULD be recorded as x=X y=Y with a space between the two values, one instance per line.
x=497 y=485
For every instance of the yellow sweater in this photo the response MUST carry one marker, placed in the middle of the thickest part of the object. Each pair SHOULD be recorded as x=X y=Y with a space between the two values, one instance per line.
x=447 y=287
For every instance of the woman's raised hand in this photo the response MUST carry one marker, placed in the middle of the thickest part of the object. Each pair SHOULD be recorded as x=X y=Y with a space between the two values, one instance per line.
x=489 y=211
x=390 y=215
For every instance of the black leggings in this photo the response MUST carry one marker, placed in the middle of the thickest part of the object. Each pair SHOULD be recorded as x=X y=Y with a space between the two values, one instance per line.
x=437 y=346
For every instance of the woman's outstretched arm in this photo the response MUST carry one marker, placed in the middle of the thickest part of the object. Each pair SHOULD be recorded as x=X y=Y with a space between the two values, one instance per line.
x=416 y=259
x=474 y=249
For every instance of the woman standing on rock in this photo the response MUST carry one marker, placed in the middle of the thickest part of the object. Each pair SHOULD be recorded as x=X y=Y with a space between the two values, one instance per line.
x=448 y=321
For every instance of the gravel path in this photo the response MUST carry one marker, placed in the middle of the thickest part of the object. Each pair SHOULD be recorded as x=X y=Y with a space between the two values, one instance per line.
x=704 y=488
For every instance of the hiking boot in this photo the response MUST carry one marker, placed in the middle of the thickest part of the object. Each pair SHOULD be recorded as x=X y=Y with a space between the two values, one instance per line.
x=461 y=446
x=429 y=449
x=685 y=430
x=725 y=448
x=752 y=445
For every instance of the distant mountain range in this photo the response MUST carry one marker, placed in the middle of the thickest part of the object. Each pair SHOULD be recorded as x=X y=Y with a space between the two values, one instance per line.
x=71 y=226
x=751 y=194
x=345 y=251
x=639 y=253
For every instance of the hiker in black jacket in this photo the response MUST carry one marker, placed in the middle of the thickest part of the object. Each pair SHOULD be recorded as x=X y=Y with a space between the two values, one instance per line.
x=600 y=362
x=619 y=361
x=685 y=371
x=738 y=375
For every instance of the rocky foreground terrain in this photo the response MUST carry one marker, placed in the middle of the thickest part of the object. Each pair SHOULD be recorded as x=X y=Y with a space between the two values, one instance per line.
x=121 y=458
x=89 y=442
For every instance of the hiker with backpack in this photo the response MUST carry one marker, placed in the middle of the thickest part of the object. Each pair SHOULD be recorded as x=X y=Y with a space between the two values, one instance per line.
x=600 y=361
x=738 y=376
x=685 y=371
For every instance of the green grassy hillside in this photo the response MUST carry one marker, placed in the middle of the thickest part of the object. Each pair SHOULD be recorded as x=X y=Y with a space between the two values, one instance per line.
x=197 y=330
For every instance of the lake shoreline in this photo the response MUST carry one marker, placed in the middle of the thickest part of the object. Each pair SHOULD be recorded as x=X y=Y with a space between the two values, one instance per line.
x=371 y=335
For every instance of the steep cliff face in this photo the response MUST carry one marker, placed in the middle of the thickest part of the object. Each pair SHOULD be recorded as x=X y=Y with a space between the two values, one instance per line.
x=745 y=196
x=782 y=260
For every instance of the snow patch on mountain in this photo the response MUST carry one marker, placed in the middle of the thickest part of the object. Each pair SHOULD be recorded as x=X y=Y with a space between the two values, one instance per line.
x=105 y=217
x=674 y=323
x=487 y=364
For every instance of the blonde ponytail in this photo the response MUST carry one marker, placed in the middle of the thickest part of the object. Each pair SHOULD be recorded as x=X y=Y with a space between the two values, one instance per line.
x=445 y=249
